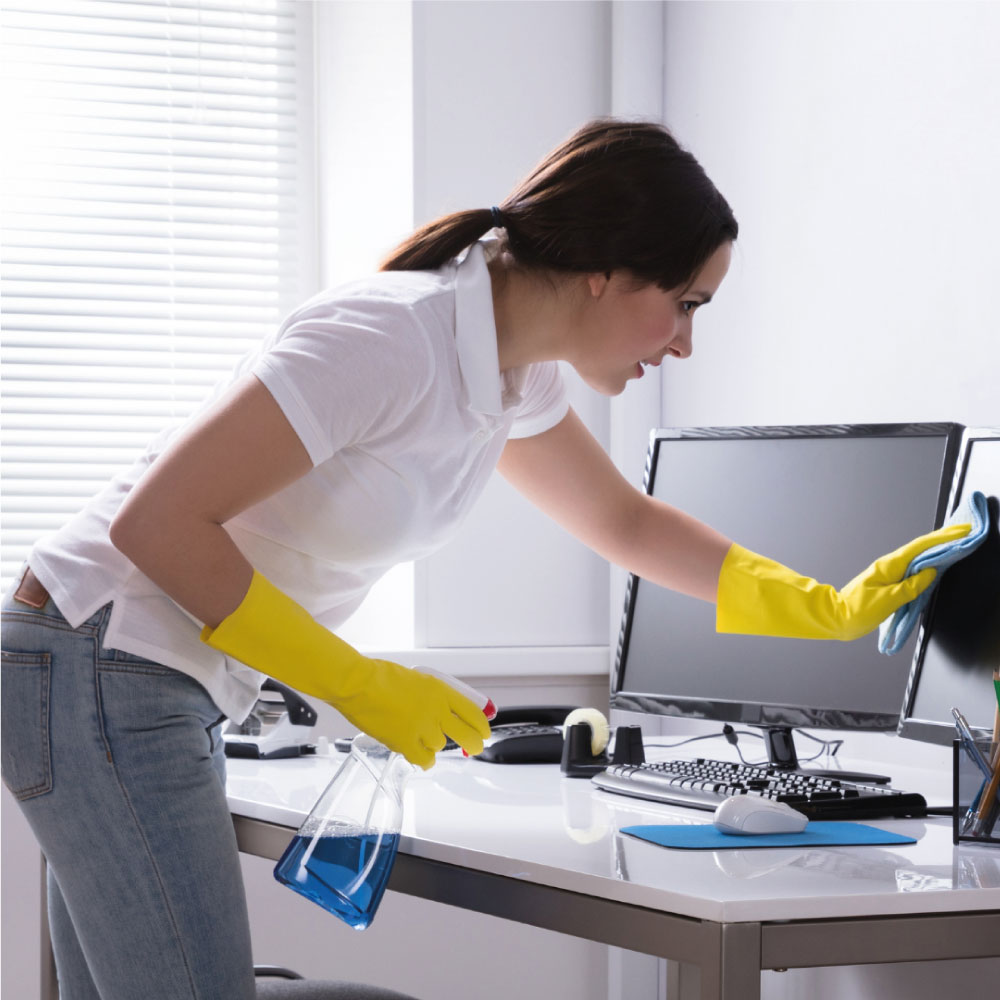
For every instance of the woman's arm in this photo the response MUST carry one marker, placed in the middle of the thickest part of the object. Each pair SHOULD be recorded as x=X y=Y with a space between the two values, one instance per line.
x=238 y=452
x=566 y=473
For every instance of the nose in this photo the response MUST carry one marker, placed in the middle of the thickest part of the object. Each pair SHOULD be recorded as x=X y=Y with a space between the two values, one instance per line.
x=680 y=347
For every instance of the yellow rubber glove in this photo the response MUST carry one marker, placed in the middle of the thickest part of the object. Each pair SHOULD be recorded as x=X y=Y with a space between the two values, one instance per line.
x=758 y=596
x=410 y=712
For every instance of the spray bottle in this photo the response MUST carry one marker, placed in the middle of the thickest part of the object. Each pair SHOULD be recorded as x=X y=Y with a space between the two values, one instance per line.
x=343 y=853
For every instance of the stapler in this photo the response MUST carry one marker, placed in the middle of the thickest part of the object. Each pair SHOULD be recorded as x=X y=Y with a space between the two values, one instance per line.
x=279 y=725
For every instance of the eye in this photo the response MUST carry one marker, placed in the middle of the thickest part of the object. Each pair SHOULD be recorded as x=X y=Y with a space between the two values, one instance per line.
x=689 y=306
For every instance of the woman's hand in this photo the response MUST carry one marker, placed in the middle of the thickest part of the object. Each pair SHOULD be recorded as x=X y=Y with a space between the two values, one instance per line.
x=758 y=596
x=409 y=711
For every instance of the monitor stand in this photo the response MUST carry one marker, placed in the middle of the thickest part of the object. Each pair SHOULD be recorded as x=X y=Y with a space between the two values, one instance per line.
x=780 y=742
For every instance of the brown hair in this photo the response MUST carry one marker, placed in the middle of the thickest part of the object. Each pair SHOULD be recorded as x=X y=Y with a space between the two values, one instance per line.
x=616 y=195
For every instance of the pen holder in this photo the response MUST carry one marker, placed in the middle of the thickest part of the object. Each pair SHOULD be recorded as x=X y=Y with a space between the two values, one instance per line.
x=976 y=816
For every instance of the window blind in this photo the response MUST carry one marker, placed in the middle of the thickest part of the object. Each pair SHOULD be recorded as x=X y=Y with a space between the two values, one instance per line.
x=153 y=228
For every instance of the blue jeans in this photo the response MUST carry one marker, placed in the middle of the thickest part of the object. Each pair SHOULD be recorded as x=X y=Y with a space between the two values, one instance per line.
x=118 y=765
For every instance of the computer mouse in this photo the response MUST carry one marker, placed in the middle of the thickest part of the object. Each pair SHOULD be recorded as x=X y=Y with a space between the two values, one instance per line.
x=749 y=814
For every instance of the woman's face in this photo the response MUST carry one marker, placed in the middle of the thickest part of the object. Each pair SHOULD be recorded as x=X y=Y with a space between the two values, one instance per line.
x=624 y=328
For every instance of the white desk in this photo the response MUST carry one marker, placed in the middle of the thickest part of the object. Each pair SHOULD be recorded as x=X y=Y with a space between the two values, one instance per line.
x=528 y=844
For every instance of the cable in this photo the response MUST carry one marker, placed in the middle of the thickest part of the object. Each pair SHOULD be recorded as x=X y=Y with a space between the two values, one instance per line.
x=727 y=731
x=732 y=736
x=694 y=739
x=941 y=810
x=826 y=744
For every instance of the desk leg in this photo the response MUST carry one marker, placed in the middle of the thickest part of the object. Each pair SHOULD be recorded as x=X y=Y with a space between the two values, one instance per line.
x=737 y=975
x=634 y=976
x=681 y=980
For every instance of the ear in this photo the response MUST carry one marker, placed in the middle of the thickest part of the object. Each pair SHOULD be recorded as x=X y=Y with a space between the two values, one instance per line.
x=598 y=282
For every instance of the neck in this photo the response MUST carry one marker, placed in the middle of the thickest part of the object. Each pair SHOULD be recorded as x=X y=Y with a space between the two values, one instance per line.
x=532 y=315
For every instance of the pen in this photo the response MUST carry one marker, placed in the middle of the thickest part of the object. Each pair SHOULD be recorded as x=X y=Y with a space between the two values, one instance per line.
x=987 y=798
x=986 y=812
x=968 y=821
x=969 y=742
x=995 y=745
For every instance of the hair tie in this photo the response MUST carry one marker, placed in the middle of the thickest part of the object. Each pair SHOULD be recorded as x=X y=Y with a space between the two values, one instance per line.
x=497 y=217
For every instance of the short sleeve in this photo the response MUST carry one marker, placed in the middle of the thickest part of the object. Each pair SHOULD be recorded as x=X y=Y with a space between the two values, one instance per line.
x=342 y=378
x=544 y=402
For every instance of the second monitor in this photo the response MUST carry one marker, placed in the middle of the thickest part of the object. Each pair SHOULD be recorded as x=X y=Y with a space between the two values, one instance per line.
x=958 y=646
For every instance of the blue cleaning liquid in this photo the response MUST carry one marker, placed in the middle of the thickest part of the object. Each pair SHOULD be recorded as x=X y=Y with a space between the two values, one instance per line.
x=329 y=873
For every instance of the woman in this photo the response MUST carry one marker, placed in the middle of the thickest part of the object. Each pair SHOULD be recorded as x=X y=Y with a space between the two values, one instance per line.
x=358 y=437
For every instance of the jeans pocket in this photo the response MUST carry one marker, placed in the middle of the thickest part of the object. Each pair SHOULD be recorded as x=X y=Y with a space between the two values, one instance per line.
x=24 y=724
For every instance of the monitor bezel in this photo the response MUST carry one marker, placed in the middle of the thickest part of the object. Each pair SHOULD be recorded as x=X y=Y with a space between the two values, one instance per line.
x=757 y=713
x=909 y=727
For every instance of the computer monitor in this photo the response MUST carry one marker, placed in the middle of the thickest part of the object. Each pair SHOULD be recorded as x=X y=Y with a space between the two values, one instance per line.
x=958 y=645
x=824 y=500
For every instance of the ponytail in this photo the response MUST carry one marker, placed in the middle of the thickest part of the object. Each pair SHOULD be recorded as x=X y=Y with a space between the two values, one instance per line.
x=436 y=243
x=616 y=195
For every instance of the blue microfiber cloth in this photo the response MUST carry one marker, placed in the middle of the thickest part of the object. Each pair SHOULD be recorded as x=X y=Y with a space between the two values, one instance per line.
x=894 y=631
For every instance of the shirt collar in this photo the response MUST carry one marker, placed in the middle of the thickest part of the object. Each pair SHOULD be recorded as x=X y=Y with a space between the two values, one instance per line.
x=476 y=339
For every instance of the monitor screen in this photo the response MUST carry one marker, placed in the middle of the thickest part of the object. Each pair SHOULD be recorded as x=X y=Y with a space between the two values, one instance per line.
x=825 y=501
x=958 y=647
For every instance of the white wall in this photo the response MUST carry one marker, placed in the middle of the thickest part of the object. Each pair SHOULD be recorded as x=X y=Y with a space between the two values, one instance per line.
x=496 y=86
x=859 y=146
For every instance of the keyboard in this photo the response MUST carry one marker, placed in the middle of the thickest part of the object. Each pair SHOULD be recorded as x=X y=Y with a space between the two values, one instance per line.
x=703 y=784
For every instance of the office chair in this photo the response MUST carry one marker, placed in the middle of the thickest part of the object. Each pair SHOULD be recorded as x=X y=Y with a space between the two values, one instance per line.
x=276 y=983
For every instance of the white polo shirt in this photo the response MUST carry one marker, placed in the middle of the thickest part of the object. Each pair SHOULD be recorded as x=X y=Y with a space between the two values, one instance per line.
x=393 y=386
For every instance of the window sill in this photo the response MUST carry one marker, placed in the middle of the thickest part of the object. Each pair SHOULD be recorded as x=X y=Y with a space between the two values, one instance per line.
x=509 y=661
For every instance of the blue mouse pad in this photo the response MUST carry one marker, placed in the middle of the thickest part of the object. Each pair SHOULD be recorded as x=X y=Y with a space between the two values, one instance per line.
x=705 y=836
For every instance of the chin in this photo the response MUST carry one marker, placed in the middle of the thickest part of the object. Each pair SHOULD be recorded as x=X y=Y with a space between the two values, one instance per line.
x=607 y=387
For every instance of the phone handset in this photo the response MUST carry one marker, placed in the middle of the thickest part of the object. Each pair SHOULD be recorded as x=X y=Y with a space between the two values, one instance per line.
x=543 y=715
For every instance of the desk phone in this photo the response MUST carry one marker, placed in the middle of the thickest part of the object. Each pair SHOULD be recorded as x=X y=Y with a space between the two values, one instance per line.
x=528 y=734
